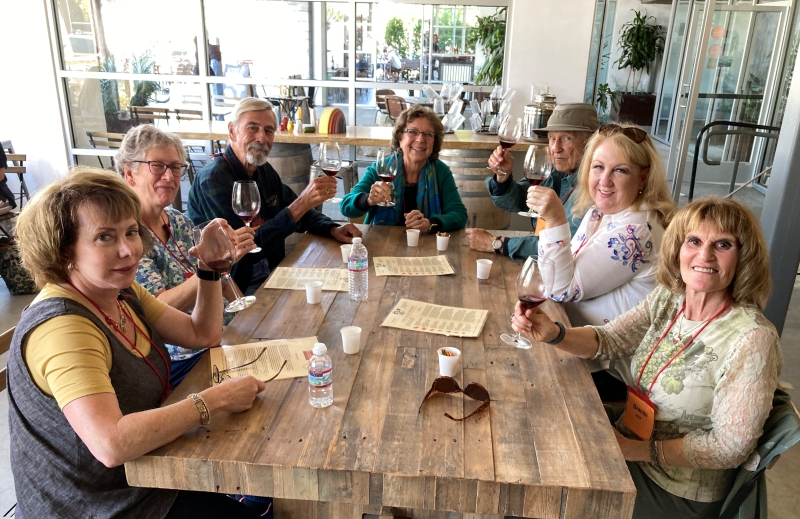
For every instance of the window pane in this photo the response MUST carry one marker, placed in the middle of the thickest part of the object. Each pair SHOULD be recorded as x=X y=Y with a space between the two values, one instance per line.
x=96 y=35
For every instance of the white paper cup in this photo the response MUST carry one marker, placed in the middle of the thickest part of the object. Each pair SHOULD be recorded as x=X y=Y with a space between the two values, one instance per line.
x=412 y=235
x=442 y=242
x=448 y=364
x=484 y=267
x=351 y=339
x=314 y=292
x=346 y=251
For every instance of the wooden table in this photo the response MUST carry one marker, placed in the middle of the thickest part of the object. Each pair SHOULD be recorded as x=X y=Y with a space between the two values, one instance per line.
x=543 y=449
x=355 y=136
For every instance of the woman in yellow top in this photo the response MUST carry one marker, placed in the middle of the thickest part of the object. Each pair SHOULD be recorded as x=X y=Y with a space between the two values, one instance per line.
x=88 y=370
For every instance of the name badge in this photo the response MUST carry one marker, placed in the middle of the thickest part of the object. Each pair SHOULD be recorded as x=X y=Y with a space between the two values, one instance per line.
x=540 y=225
x=640 y=414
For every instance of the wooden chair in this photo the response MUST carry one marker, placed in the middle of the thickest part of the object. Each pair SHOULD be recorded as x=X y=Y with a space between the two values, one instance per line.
x=396 y=105
x=380 y=99
x=149 y=114
x=16 y=164
x=5 y=345
x=187 y=115
x=105 y=140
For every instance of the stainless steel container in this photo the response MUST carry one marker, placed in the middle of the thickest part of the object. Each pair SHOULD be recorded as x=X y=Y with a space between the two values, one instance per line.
x=537 y=114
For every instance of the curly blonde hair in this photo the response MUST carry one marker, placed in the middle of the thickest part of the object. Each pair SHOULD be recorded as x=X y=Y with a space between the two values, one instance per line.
x=655 y=195
x=752 y=283
x=48 y=226
x=411 y=114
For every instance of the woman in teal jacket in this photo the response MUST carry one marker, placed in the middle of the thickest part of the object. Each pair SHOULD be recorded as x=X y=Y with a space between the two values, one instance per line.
x=426 y=196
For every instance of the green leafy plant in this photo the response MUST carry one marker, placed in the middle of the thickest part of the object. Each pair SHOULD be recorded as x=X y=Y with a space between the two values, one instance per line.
x=604 y=95
x=142 y=90
x=416 y=40
x=395 y=36
x=108 y=87
x=490 y=33
x=640 y=44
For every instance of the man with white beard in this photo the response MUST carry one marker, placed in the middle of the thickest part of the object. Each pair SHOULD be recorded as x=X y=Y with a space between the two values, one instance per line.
x=250 y=137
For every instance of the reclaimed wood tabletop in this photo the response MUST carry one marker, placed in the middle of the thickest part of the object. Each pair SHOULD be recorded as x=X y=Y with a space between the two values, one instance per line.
x=543 y=449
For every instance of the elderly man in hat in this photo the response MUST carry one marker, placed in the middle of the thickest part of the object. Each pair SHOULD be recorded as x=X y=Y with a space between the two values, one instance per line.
x=567 y=130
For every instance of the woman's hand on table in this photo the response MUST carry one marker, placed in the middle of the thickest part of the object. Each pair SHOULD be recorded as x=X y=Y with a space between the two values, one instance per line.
x=345 y=233
x=480 y=239
x=233 y=395
x=502 y=162
x=379 y=192
x=545 y=201
x=416 y=220
x=245 y=241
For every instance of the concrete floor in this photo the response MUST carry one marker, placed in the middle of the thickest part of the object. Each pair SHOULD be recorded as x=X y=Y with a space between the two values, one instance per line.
x=783 y=480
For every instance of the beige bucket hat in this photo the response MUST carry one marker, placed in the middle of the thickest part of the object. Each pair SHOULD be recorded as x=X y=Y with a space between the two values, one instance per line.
x=571 y=117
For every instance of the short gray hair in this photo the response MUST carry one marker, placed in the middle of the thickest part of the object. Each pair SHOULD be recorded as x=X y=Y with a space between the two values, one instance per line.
x=250 y=104
x=140 y=140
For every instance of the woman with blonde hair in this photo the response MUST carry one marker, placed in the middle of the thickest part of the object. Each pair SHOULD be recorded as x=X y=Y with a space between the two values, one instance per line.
x=88 y=371
x=609 y=265
x=705 y=360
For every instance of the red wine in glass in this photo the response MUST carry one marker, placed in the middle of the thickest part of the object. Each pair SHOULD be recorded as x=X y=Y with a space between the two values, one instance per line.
x=532 y=290
x=530 y=302
x=330 y=161
x=386 y=168
x=537 y=167
x=222 y=266
x=246 y=202
x=507 y=144
x=330 y=171
x=535 y=178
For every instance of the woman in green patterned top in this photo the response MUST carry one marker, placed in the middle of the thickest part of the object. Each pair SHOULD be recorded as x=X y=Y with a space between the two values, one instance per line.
x=704 y=356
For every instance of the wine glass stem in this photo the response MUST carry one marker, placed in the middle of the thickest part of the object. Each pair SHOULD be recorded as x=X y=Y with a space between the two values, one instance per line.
x=234 y=288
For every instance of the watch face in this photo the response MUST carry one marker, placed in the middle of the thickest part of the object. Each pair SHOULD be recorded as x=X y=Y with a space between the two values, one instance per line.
x=497 y=244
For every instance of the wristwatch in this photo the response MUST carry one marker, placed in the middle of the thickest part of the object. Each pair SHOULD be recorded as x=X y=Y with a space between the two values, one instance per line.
x=497 y=244
x=433 y=229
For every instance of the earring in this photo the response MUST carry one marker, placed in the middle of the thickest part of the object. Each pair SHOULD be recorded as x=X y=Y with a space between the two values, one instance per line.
x=70 y=267
x=641 y=191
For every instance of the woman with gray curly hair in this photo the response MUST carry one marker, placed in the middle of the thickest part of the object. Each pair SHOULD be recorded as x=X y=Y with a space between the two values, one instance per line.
x=152 y=162
x=426 y=194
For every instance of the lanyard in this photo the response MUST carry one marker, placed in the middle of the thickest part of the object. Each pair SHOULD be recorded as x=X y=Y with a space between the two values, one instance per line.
x=165 y=388
x=189 y=272
x=641 y=372
x=586 y=236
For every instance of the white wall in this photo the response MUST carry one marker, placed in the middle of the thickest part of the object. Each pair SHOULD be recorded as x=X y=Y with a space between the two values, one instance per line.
x=548 y=45
x=625 y=14
x=29 y=108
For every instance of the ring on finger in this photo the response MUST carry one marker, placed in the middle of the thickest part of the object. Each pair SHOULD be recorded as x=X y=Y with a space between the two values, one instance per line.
x=327 y=191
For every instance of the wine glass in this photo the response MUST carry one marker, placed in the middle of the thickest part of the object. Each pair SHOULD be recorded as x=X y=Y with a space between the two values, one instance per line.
x=538 y=167
x=533 y=288
x=246 y=201
x=216 y=250
x=508 y=134
x=386 y=166
x=330 y=161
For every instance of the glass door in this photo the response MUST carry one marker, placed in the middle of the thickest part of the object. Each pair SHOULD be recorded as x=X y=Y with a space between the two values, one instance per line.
x=729 y=74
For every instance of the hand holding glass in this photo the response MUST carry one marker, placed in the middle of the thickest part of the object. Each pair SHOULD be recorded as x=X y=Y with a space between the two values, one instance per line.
x=330 y=161
x=386 y=166
x=538 y=167
x=213 y=247
x=533 y=289
x=246 y=201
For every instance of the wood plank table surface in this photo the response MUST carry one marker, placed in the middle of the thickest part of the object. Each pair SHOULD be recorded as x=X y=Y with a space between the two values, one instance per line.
x=355 y=136
x=544 y=448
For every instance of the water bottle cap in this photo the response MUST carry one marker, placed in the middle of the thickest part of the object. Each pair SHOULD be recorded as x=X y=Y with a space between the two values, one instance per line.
x=320 y=349
x=356 y=240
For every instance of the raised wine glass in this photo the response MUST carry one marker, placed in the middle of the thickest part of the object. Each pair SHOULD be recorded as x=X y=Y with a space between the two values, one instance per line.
x=508 y=133
x=218 y=252
x=386 y=165
x=537 y=167
x=246 y=201
x=533 y=289
x=330 y=161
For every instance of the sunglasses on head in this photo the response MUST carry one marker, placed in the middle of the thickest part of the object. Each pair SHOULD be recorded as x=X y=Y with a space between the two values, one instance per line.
x=449 y=385
x=637 y=135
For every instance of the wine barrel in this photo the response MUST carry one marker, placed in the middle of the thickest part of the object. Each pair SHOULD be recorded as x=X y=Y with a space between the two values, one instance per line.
x=293 y=164
x=469 y=171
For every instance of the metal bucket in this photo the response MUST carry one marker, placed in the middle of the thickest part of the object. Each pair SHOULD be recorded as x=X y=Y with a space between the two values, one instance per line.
x=469 y=172
x=536 y=116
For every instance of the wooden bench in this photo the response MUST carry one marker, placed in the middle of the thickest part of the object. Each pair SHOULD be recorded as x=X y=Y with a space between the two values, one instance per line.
x=145 y=114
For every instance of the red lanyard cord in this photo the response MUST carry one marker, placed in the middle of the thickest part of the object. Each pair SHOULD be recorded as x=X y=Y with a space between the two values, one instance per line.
x=165 y=388
x=189 y=272
x=641 y=372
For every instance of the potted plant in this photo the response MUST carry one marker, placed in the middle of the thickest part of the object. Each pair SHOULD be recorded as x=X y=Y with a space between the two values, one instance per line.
x=640 y=44
x=490 y=34
x=606 y=100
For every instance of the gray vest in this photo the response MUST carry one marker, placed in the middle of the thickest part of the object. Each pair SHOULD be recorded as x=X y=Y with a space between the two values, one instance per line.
x=55 y=475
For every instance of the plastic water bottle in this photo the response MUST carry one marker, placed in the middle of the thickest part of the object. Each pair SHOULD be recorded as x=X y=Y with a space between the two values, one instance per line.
x=320 y=377
x=358 y=265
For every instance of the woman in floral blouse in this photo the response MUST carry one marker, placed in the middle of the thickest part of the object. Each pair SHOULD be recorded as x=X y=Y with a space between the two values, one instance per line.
x=152 y=162
x=705 y=360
